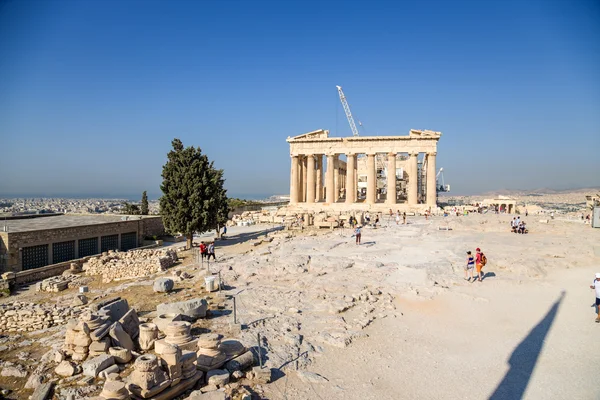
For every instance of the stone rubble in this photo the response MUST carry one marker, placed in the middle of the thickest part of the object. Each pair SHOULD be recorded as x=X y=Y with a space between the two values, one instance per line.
x=29 y=317
x=117 y=265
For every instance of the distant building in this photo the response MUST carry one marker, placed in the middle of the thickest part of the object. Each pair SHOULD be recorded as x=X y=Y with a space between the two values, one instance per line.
x=35 y=241
x=502 y=203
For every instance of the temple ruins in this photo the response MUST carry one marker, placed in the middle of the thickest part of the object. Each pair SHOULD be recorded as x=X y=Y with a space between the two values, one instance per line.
x=379 y=172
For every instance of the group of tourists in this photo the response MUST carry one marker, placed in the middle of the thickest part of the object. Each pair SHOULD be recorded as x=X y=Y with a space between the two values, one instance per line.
x=475 y=262
x=398 y=215
x=207 y=250
x=518 y=226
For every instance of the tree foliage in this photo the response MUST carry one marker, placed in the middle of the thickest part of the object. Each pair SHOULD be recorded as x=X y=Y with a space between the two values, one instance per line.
x=144 y=206
x=193 y=198
x=130 y=209
x=238 y=203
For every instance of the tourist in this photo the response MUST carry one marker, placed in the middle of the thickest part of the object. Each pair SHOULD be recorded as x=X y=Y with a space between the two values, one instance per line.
x=224 y=232
x=367 y=218
x=480 y=261
x=357 y=233
x=404 y=218
x=522 y=228
x=376 y=219
x=513 y=225
x=526 y=213
x=596 y=285
x=397 y=217
x=211 y=251
x=552 y=215
x=203 y=251
x=470 y=266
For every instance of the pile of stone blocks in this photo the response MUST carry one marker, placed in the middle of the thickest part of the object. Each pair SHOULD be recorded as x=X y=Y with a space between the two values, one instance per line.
x=29 y=317
x=54 y=284
x=167 y=362
x=115 y=265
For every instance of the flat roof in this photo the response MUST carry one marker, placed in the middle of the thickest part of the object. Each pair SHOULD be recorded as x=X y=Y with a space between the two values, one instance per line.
x=64 y=221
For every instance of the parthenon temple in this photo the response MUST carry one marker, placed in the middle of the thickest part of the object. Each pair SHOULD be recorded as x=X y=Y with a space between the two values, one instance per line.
x=379 y=172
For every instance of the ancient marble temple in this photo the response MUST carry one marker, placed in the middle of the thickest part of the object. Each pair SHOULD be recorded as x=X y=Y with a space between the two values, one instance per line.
x=379 y=172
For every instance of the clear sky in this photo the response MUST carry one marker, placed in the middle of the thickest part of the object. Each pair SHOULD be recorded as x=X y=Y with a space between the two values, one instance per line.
x=93 y=92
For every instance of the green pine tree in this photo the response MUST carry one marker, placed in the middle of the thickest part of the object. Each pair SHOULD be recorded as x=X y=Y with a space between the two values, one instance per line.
x=130 y=209
x=193 y=193
x=221 y=205
x=144 y=206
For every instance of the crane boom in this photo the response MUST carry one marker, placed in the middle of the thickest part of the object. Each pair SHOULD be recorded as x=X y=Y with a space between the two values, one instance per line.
x=347 y=111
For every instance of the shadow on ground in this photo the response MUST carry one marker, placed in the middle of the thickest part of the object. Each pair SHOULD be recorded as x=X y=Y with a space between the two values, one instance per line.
x=488 y=275
x=243 y=237
x=524 y=358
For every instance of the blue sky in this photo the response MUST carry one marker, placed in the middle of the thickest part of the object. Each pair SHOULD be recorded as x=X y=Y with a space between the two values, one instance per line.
x=93 y=92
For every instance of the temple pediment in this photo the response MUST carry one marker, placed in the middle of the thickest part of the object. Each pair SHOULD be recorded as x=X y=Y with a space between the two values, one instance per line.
x=318 y=134
x=424 y=133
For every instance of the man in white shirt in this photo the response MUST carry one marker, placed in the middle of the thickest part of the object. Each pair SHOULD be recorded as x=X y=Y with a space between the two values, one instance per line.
x=596 y=285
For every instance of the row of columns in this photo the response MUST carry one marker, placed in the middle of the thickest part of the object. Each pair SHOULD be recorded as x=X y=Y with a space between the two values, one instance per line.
x=306 y=184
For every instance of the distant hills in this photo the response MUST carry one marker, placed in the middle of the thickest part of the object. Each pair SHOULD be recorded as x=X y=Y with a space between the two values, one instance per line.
x=520 y=192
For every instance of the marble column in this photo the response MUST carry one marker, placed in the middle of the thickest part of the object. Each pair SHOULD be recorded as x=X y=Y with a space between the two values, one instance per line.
x=336 y=179
x=310 y=179
x=413 y=180
x=350 y=182
x=304 y=177
x=431 y=184
x=294 y=181
x=319 y=166
x=391 y=179
x=355 y=179
x=330 y=179
x=300 y=183
x=371 y=179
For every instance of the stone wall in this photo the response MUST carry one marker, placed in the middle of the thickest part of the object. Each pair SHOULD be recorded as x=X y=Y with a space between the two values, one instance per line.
x=38 y=274
x=3 y=250
x=152 y=226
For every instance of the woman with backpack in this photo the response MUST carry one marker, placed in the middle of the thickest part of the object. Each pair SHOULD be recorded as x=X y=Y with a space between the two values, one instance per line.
x=480 y=261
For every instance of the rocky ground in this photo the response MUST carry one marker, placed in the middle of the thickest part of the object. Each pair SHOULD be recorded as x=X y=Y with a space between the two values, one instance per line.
x=392 y=318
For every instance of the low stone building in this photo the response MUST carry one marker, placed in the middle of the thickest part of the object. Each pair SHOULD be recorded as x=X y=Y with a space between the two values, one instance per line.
x=31 y=243
x=502 y=203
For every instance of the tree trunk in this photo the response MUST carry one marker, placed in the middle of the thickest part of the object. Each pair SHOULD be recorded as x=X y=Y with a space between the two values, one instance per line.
x=218 y=232
x=190 y=240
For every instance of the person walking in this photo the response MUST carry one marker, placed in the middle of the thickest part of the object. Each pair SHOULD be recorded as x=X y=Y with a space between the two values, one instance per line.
x=404 y=218
x=596 y=285
x=203 y=249
x=398 y=218
x=211 y=251
x=470 y=266
x=357 y=233
x=480 y=261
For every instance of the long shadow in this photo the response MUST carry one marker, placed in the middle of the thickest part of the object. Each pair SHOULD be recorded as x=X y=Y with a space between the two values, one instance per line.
x=243 y=237
x=523 y=359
